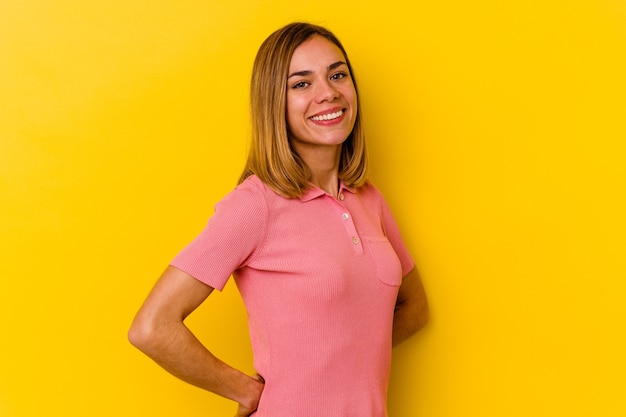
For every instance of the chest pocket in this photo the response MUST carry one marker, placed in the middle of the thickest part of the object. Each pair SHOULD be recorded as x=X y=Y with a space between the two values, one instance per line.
x=388 y=268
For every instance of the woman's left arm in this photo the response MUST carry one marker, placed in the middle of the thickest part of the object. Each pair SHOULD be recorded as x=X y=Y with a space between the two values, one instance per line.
x=411 y=312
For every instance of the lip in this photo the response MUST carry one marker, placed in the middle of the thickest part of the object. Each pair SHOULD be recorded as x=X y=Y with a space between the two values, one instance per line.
x=329 y=111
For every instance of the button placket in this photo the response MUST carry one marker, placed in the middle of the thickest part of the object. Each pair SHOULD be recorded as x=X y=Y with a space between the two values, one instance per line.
x=348 y=223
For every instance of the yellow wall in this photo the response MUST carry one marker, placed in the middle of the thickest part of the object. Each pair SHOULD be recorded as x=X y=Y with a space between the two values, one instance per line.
x=497 y=132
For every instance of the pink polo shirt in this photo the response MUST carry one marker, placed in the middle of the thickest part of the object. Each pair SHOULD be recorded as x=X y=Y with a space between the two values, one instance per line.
x=319 y=277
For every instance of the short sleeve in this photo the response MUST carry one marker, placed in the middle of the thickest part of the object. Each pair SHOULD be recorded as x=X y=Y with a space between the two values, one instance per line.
x=392 y=231
x=231 y=238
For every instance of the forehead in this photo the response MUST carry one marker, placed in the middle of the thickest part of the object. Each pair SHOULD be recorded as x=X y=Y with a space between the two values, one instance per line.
x=314 y=52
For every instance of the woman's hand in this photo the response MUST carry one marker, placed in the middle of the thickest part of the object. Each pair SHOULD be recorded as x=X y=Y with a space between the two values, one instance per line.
x=244 y=410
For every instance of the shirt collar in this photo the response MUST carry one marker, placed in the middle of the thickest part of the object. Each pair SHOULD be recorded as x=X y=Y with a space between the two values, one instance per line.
x=314 y=192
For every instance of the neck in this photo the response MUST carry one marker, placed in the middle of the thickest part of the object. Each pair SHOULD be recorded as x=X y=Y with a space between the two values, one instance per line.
x=323 y=165
x=328 y=182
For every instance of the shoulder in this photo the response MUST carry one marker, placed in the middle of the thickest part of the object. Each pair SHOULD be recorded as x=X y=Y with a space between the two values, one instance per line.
x=254 y=193
x=370 y=192
x=254 y=188
x=372 y=197
x=245 y=197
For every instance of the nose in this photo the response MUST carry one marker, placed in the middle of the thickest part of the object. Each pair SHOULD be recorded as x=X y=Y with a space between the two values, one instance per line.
x=327 y=92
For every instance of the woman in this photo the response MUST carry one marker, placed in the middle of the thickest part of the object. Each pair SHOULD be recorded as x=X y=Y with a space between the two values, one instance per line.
x=314 y=250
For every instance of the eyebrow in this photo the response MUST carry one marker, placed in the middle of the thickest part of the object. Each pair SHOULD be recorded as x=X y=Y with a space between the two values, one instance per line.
x=309 y=72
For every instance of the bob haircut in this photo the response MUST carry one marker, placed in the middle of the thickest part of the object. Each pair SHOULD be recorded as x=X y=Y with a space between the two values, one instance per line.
x=271 y=156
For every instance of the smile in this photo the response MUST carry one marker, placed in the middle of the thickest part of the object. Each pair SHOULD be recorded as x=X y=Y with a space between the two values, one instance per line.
x=329 y=116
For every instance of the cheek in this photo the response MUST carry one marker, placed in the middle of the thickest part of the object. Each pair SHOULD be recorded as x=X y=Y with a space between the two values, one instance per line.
x=351 y=96
x=292 y=119
x=295 y=109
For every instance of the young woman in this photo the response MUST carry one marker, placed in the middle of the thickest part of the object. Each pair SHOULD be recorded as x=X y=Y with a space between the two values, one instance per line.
x=326 y=279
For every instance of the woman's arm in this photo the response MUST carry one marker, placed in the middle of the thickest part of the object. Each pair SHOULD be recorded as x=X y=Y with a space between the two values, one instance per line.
x=411 y=312
x=158 y=331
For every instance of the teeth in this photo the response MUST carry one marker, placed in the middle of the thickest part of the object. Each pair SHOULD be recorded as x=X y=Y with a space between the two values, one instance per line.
x=330 y=116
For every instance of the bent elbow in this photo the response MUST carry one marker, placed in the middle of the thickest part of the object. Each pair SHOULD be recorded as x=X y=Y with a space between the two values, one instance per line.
x=424 y=313
x=423 y=318
x=142 y=335
x=135 y=335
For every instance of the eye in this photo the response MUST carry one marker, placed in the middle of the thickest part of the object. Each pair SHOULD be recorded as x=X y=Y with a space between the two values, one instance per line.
x=300 y=85
x=338 y=75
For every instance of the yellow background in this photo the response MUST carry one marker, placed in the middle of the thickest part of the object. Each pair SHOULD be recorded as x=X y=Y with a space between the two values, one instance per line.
x=496 y=131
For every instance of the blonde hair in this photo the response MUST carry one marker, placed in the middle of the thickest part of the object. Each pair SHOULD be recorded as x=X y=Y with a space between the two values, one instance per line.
x=271 y=157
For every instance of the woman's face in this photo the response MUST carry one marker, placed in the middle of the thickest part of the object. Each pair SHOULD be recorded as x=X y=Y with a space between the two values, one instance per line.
x=321 y=99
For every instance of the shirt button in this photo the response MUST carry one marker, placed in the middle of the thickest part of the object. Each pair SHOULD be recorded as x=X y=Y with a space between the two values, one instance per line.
x=355 y=240
x=345 y=216
x=341 y=197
